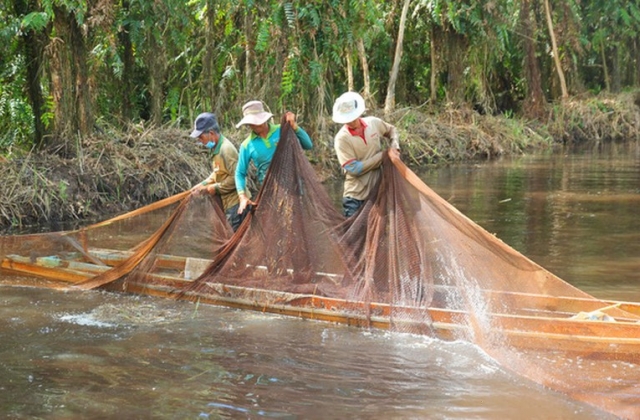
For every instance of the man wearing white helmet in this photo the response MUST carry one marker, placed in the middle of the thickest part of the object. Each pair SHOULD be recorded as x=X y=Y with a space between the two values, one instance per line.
x=358 y=145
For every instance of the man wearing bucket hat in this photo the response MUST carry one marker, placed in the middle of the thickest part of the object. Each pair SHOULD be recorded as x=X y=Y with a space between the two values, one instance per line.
x=358 y=145
x=260 y=145
x=224 y=161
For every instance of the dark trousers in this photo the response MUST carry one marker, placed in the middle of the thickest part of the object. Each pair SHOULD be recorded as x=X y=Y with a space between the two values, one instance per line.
x=351 y=205
x=234 y=218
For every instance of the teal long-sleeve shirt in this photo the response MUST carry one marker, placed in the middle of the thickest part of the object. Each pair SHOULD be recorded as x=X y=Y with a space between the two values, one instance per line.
x=260 y=151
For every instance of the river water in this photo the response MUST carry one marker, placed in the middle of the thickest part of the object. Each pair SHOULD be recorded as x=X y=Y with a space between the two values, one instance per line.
x=576 y=214
x=67 y=355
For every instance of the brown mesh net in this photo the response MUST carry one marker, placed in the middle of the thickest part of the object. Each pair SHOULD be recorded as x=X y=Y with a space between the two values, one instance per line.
x=408 y=261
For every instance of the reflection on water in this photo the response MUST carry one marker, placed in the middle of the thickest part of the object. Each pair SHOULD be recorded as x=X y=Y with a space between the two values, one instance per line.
x=574 y=214
x=101 y=355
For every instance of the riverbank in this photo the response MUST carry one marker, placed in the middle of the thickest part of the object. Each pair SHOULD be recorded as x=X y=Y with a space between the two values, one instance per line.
x=117 y=171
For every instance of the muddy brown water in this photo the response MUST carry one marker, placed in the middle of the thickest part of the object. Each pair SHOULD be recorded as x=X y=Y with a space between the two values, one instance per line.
x=576 y=214
x=67 y=355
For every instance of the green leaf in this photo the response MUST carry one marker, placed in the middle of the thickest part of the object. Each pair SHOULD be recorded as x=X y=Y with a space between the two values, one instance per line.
x=35 y=21
x=289 y=13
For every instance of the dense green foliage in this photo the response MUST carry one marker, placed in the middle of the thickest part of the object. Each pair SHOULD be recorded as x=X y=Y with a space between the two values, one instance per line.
x=70 y=66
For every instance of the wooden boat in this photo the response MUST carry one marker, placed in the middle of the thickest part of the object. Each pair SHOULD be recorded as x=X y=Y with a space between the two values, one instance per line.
x=577 y=326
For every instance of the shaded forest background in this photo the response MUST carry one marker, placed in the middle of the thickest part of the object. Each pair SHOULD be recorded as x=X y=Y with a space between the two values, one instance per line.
x=107 y=88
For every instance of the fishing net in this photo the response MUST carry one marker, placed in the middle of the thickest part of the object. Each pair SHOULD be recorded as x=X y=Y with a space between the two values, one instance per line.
x=407 y=261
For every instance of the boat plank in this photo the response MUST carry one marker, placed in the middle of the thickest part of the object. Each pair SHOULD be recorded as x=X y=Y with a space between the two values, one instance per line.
x=523 y=331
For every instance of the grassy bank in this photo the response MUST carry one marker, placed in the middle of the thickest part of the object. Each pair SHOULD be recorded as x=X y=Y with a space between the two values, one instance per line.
x=117 y=171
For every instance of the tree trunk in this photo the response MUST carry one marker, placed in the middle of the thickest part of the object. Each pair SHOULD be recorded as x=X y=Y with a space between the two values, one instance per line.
x=33 y=45
x=350 y=83
x=605 y=69
x=128 y=65
x=156 y=62
x=616 y=70
x=434 y=69
x=365 y=73
x=33 y=53
x=319 y=101
x=534 y=99
x=636 y=48
x=61 y=77
x=208 y=84
x=248 y=52
x=82 y=86
x=390 y=102
x=456 y=48
x=69 y=78
x=554 y=48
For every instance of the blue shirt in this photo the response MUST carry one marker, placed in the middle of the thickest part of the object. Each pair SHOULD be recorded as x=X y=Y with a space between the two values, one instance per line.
x=260 y=151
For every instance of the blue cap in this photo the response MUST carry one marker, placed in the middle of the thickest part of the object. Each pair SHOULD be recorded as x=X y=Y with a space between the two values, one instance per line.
x=205 y=122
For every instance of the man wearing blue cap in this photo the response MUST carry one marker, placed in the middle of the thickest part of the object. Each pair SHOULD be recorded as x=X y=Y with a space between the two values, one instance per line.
x=224 y=162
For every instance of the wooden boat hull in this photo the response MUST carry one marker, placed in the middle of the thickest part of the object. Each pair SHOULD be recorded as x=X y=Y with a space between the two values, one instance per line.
x=547 y=325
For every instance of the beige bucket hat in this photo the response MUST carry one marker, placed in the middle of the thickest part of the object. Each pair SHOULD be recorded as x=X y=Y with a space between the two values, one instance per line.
x=253 y=113
x=348 y=107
